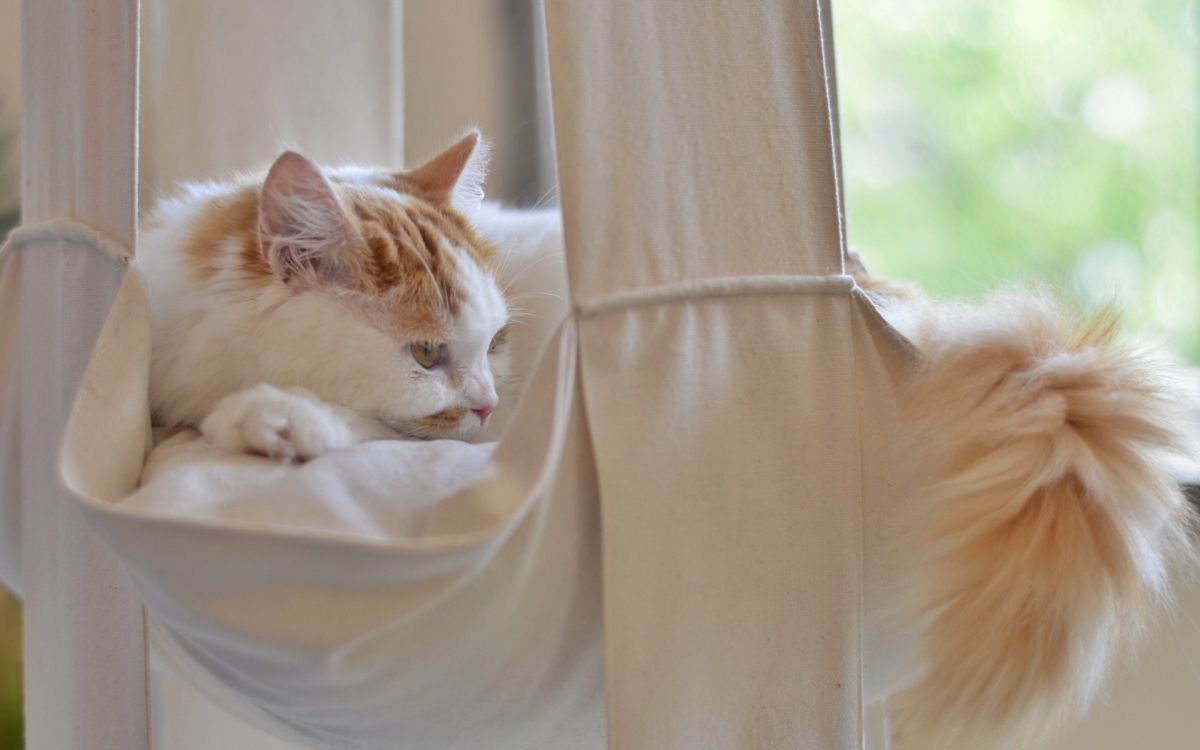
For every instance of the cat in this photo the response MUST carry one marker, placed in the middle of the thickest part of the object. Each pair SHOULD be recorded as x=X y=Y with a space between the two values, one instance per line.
x=309 y=309
x=1042 y=526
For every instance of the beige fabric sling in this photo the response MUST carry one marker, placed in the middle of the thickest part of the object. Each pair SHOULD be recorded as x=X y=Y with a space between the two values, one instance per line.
x=665 y=551
x=723 y=395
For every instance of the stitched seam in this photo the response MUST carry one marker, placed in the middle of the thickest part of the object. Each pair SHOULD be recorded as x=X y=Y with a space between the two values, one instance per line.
x=733 y=286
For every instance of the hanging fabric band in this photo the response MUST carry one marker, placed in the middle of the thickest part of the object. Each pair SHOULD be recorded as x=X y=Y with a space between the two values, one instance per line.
x=729 y=286
x=71 y=231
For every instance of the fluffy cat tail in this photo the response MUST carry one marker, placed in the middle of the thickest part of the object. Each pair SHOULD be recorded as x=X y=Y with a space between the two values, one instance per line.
x=1047 y=528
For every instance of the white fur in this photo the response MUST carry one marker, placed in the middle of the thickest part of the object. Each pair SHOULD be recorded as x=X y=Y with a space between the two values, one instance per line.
x=287 y=424
x=468 y=191
x=532 y=268
x=223 y=336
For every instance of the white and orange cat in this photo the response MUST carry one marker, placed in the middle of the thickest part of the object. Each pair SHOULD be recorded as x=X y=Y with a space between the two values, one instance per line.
x=310 y=309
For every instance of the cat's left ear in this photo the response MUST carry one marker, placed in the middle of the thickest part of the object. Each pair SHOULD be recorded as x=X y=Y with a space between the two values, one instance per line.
x=302 y=228
x=455 y=176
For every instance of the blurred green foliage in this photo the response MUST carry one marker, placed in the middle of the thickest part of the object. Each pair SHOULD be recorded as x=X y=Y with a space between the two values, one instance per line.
x=1022 y=140
x=11 y=724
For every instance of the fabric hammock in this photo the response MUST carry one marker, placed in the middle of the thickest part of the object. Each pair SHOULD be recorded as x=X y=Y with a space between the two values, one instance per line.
x=718 y=401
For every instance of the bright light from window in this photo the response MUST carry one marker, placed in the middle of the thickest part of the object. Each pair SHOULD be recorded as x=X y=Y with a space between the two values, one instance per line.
x=1024 y=140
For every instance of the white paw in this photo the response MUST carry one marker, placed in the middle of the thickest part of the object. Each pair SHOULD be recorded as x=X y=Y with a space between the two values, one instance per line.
x=288 y=424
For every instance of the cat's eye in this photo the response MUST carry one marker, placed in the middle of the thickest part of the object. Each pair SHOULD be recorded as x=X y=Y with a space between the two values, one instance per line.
x=427 y=353
x=498 y=340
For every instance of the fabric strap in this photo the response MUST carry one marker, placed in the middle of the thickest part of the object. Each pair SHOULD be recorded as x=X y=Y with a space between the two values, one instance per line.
x=698 y=167
x=68 y=230
x=85 y=662
x=731 y=286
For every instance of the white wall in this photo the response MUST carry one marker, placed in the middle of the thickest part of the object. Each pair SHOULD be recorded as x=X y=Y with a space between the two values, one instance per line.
x=1153 y=700
x=228 y=84
x=468 y=63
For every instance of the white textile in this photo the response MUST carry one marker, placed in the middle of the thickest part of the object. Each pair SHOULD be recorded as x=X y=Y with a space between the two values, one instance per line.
x=380 y=490
x=434 y=626
x=716 y=427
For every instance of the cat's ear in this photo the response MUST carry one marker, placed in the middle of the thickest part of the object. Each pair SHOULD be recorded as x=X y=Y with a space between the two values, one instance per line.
x=303 y=230
x=455 y=176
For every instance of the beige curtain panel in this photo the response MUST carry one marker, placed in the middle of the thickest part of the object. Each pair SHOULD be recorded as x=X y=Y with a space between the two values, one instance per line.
x=664 y=550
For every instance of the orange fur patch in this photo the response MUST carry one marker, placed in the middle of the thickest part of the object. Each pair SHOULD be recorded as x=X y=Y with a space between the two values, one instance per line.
x=232 y=216
x=407 y=272
x=406 y=246
x=444 y=420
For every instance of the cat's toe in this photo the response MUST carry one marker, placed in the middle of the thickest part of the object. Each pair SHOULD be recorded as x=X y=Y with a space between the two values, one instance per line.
x=268 y=421
x=312 y=432
x=249 y=430
x=268 y=433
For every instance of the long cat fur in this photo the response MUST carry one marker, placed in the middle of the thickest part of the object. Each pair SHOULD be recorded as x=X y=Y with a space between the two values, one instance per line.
x=1043 y=529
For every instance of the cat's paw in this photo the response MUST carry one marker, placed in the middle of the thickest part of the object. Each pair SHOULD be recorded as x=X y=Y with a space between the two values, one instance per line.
x=290 y=424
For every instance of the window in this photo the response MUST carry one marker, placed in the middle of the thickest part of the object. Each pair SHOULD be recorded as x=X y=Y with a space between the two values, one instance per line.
x=1029 y=140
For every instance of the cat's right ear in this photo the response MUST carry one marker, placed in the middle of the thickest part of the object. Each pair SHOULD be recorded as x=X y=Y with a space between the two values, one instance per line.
x=303 y=230
x=455 y=176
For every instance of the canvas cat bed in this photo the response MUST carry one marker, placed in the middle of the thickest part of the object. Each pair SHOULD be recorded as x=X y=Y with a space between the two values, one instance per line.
x=665 y=550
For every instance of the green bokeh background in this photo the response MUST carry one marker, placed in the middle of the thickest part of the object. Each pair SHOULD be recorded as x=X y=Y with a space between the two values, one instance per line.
x=1048 y=141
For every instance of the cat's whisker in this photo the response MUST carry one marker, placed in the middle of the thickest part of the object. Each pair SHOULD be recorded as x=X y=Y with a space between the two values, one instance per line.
x=551 y=295
x=550 y=194
x=511 y=279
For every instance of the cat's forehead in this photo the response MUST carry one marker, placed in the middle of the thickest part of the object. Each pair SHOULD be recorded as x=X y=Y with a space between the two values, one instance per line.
x=465 y=315
x=410 y=239
x=427 y=264
x=483 y=309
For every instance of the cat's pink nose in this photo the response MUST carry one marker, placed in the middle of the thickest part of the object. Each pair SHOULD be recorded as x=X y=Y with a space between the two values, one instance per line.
x=483 y=413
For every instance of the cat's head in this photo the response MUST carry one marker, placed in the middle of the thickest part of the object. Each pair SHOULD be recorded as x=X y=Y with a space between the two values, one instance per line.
x=399 y=293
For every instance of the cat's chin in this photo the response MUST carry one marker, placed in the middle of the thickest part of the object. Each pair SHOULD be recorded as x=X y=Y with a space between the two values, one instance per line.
x=413 y=430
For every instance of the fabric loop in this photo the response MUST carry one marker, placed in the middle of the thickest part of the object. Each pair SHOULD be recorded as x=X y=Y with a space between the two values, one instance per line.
x=731 y=286
x=73 y=231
